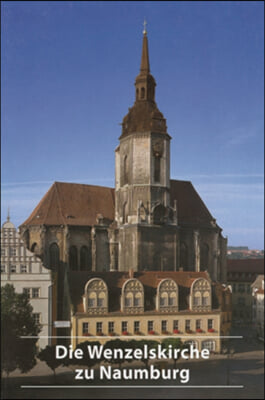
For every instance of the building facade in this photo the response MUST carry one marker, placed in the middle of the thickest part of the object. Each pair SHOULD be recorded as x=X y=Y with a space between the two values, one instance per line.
x=27 y=274
x=149 y=305
x=240 y=275
x=258 y=305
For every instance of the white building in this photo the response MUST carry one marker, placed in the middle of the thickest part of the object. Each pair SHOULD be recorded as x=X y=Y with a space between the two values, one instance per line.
x=258 y=305
x=21 y=268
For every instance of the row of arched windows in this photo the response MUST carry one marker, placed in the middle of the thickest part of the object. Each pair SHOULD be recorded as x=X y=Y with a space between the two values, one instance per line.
x=132 y=295
x=78 y=260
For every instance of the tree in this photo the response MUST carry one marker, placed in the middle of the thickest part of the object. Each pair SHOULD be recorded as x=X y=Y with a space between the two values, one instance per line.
x=85 y=360
x=17 y=320
x=116 y=344
x=48 y=355
x=174 y=343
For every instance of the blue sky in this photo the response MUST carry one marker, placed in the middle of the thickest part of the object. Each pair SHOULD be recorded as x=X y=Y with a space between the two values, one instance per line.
x=68 y=71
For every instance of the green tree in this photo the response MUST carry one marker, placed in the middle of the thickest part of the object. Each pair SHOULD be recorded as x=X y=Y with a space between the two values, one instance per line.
x=174 y=343
x=16 y=321
x=48 y=355
x=116 y=344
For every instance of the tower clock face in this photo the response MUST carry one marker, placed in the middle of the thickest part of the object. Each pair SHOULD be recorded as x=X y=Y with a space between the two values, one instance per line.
x=158 y=147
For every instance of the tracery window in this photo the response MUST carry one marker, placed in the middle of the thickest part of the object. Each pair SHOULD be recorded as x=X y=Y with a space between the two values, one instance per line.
x=54 y=256
x=167 y=295
x=73 y=259
x=132 y=296
x=96 y=296
x=201 y=295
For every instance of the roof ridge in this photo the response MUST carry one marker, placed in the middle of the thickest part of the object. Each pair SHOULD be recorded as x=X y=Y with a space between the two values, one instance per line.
x=83 y=184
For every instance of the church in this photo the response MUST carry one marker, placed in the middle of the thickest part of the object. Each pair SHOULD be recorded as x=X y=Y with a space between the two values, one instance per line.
x=148 y=222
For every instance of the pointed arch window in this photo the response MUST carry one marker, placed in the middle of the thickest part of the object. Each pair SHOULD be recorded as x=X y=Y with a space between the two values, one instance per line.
x=204 y=257
x=142 y=93
x=85 y=259
x=183 y=255
x=159 y=214
x=73 y=259
x=54 y=256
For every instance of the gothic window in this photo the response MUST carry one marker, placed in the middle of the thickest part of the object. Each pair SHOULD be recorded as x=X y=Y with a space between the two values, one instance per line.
x=132 y=296
x=137 y=94
x=54 y=256
x=142 y=93
x=157 y=162
x=204 y=257
x=183 y=255
x=200 y=295
x=85 y=259
x=159 y=214
x=125 y=169
x=167 y=295
x=73 y=259
x=96 y=296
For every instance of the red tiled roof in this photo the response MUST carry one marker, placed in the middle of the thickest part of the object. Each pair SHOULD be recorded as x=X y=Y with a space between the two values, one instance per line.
x=73 y=204
x=79 y=204
x=115 y=281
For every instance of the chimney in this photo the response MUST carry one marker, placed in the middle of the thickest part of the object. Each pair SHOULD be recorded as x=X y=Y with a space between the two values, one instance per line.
x=131 y=273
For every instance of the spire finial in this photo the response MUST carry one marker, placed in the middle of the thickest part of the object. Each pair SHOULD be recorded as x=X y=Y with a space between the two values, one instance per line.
x=144 y=24
x=8 y=214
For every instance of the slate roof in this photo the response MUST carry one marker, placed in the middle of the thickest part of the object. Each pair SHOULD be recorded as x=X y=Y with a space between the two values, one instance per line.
x=79 y=204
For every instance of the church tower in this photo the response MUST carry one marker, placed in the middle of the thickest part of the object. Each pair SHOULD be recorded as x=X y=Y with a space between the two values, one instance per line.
x=142 y=187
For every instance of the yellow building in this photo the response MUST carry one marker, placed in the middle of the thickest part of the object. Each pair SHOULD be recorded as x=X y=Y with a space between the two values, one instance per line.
x=149 y=305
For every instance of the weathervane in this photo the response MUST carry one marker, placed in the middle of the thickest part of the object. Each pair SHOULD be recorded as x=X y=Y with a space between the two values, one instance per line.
x=144 y=24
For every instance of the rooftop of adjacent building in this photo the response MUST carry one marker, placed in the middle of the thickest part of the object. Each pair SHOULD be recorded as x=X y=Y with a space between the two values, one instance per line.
x=244 y=270
x=150 y=281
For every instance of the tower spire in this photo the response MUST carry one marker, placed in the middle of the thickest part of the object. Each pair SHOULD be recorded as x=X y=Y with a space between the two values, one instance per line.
x=145 y=66
x=8 y=214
